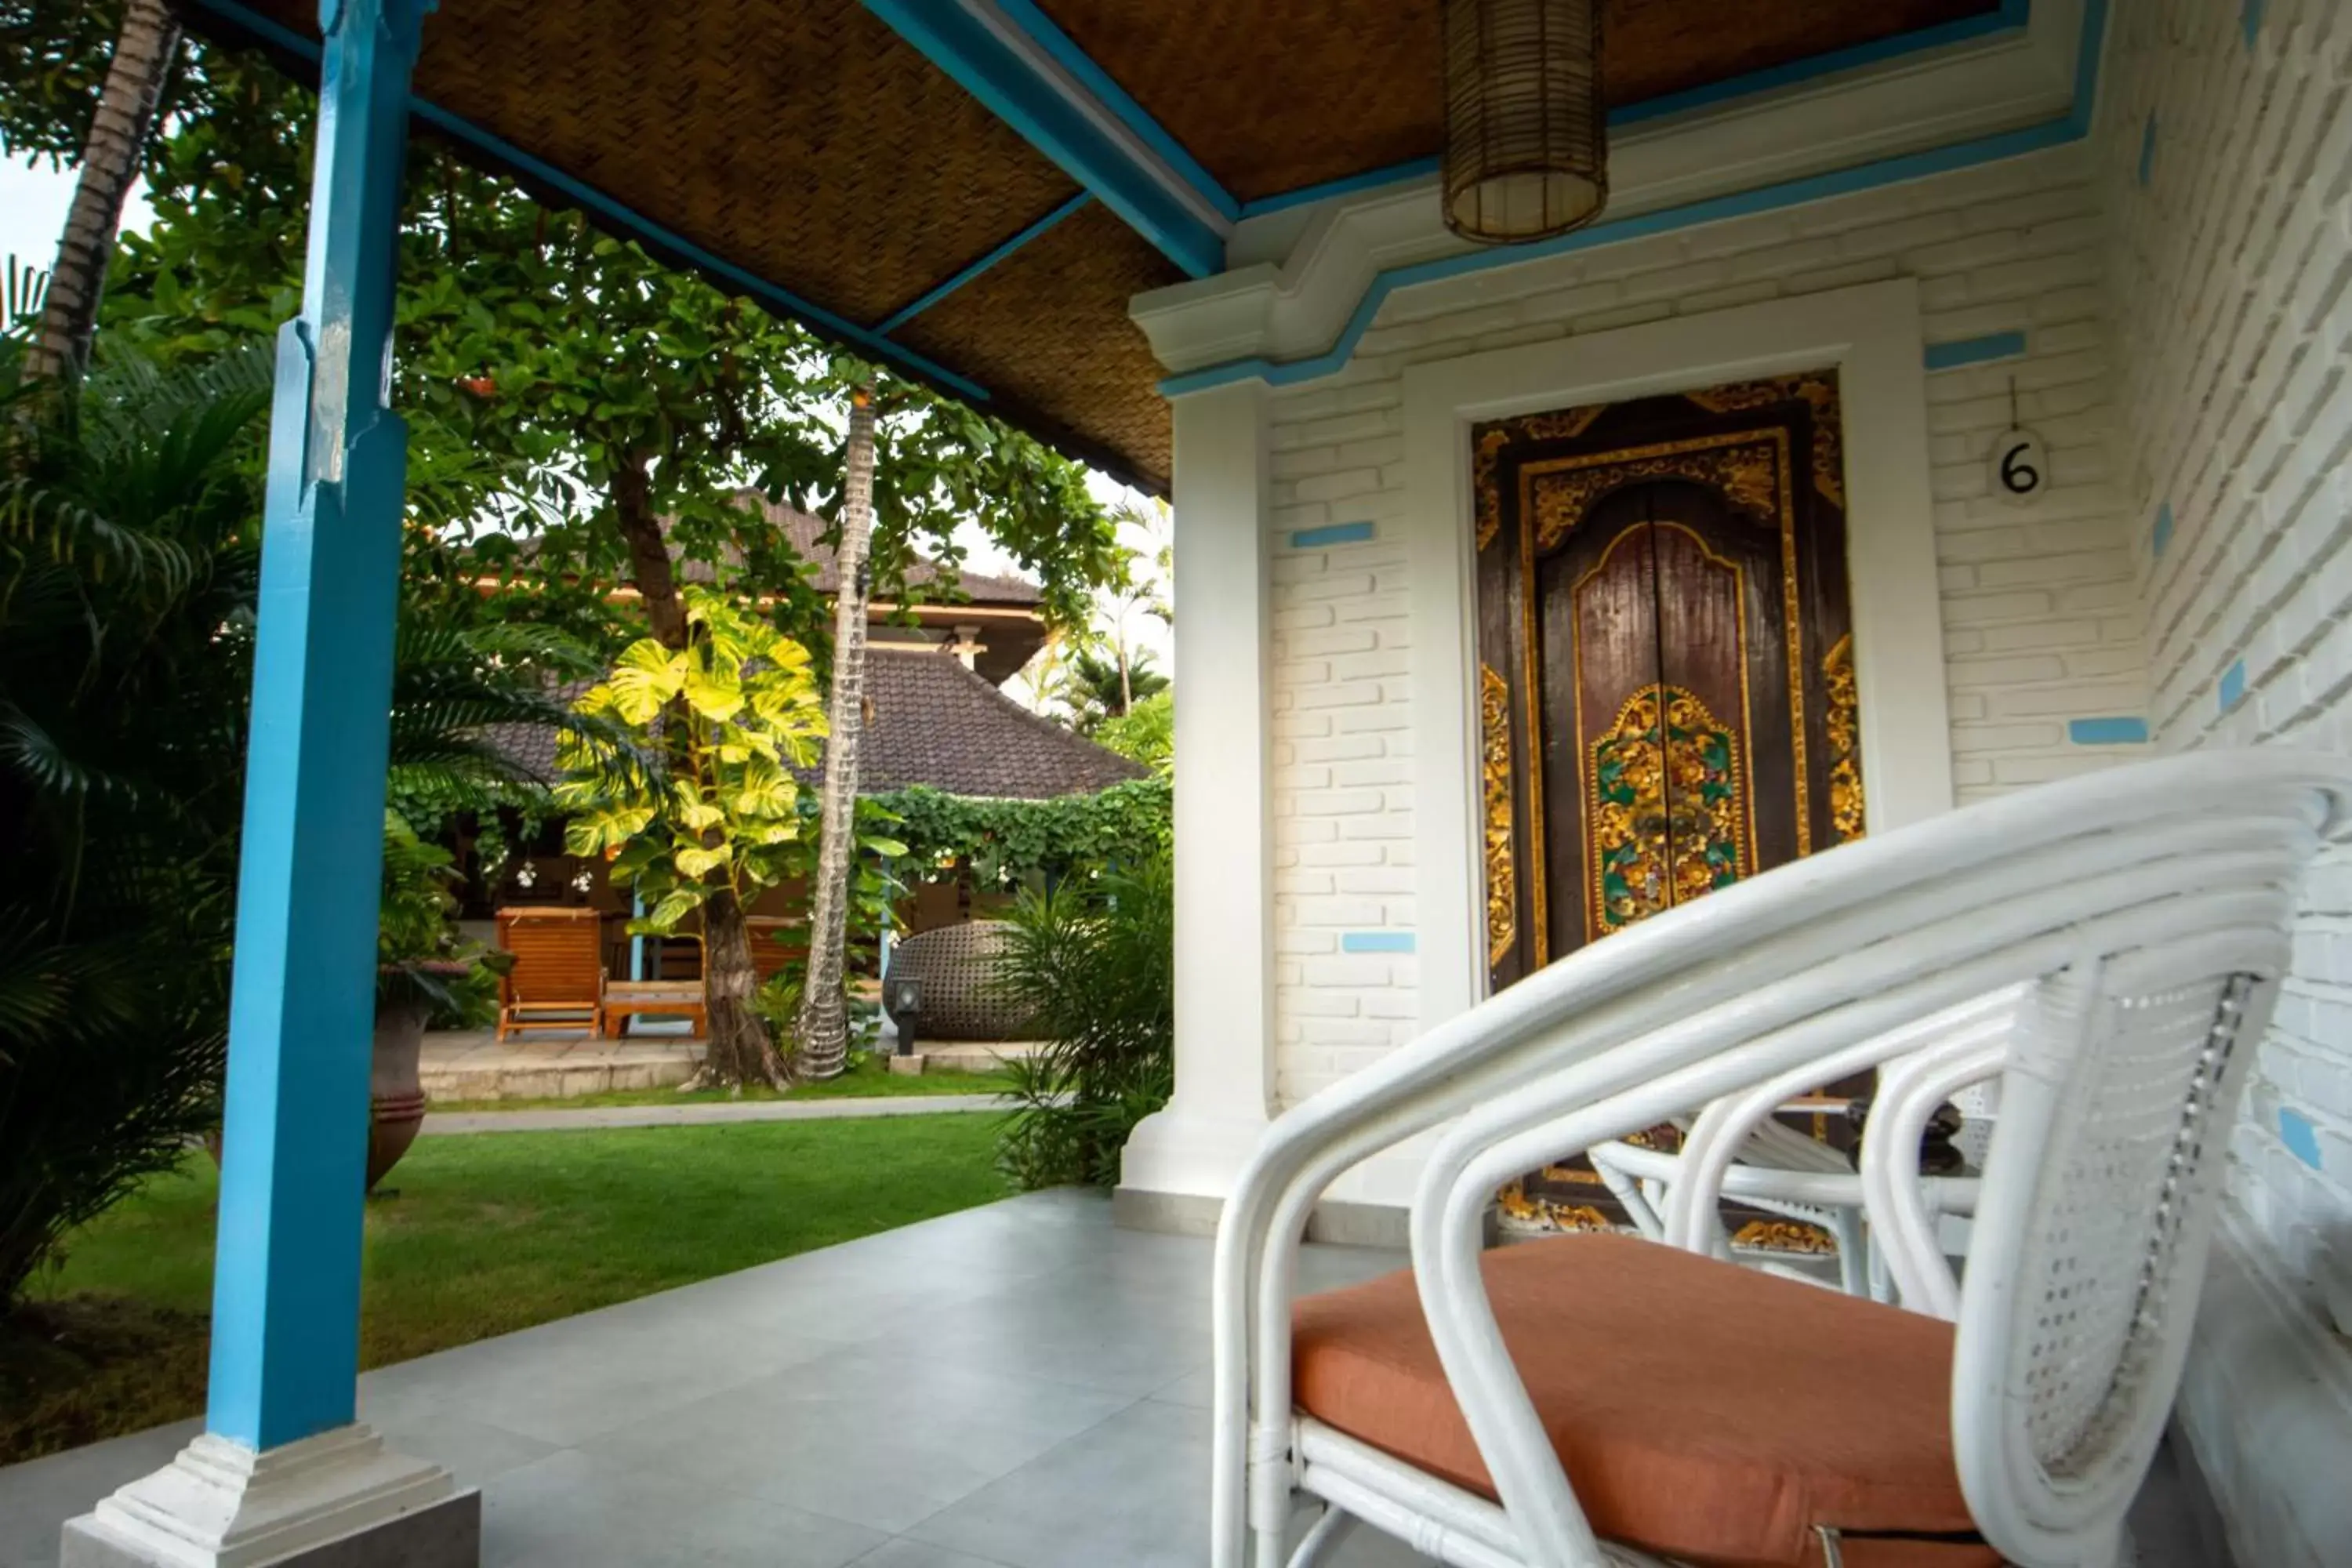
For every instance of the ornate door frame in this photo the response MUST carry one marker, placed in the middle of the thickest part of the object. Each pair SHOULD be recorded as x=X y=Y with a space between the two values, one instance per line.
x=1768 y=453
x=1871 y=335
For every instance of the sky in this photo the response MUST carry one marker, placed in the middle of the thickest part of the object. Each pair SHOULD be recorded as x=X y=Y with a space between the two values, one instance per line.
x=33 y=202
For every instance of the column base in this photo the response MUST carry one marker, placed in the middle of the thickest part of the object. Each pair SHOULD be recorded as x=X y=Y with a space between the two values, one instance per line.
x=1192 y=1214
x=1181 y=1153
x=339 y=1499
x=1179 y=1167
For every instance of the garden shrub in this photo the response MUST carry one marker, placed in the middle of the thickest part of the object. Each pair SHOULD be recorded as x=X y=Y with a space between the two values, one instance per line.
x=1094 y=960
x=1006 y=842
x=129 y=555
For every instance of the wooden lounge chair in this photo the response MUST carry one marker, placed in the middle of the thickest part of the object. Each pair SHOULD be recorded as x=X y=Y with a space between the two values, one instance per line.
x=558 y=978
x=1606 y=1399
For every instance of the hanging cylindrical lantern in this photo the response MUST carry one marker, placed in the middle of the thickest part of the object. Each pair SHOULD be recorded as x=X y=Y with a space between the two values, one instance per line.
x=1527 y=150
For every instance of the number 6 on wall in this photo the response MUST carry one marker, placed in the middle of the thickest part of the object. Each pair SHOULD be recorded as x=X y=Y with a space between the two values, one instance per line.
x=2021 y=466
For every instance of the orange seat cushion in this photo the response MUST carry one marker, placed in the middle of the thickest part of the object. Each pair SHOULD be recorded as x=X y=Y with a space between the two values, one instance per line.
x=1702 y=1410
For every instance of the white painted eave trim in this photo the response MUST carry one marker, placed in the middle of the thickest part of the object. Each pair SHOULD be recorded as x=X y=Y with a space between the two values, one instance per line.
x=1297 y=275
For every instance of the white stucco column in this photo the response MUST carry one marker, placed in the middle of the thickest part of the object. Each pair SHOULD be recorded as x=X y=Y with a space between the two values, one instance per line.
x=1190 y=1151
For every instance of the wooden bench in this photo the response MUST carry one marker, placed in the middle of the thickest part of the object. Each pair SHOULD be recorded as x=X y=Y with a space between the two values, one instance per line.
x=624 y=999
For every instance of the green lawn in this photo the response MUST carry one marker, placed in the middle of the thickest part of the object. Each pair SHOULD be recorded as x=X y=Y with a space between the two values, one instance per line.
x=866 y=1078
x=478 y=1235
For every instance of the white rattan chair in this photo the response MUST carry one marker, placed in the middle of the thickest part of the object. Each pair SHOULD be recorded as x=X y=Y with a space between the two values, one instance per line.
x=1780 y=1171
x=2145 y=915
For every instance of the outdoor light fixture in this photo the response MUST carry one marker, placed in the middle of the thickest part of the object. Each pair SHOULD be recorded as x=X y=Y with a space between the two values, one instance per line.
x=902 y=998
x=1527 y=149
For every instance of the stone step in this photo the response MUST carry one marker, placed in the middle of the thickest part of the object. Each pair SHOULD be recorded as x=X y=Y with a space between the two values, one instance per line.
x=472 y=1066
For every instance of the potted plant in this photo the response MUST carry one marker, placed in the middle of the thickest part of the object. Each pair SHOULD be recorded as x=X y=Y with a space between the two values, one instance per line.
x=422 y=969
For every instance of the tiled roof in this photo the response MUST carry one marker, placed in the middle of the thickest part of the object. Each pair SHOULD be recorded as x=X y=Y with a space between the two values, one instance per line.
x=930 y=721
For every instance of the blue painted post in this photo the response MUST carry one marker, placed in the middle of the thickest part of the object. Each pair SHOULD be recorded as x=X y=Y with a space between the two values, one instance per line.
x=286 y=1293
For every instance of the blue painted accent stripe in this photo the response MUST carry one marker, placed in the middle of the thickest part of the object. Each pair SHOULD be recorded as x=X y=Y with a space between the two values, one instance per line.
x=2300 y=1138
x=2250 y=21
x=1974 y=351
x=1769 y=198
x=1330 y=534
x=932 y=296
x=2148 y=150
x=2073 y=126
x=965 y=46
x=2159 y=538
x=1376 y=941
x=578 y=191
x=2233 y=690
x=1369 y=180
x=2012 y=16
x=1042 y=31
x=2117 y=730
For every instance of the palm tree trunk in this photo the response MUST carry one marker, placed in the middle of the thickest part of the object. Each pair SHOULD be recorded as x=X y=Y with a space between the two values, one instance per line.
x=825 y=1020
x=740 y=1051
x=110 y=163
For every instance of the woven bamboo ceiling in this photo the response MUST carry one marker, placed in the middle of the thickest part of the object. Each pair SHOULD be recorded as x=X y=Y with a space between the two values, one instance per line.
x=809 y=146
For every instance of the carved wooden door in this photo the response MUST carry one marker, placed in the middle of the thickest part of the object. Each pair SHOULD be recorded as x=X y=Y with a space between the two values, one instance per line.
x=1667 y=679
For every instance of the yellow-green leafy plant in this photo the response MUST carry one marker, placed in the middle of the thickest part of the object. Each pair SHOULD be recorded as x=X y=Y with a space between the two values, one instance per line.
x=718 y=819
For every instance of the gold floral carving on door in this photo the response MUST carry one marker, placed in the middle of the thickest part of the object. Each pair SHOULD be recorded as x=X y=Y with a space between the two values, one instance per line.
x=1667 y=802
x=1667 y=696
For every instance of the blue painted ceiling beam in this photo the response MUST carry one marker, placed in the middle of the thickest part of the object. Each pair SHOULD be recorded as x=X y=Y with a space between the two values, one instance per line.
x=1031 y=83
x=963 y=275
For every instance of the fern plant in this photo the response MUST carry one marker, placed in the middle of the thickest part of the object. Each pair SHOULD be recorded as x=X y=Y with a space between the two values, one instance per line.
x=1095 y=960
x=129 y=556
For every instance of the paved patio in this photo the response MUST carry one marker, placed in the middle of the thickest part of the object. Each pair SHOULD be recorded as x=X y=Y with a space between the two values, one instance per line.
x=1020 y=1386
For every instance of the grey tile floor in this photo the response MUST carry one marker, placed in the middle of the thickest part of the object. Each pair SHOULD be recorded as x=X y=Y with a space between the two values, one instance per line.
x=1016 y=1387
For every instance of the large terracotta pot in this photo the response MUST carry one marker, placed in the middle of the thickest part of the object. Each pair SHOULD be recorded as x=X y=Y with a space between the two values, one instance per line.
x=395 y=1094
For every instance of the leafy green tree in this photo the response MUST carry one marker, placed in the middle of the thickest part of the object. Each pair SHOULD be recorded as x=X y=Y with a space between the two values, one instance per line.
x=732 y=714
x=589 y=390
x=1144 y=733
x=1097 y=687
x=582 y=418
x=1141 y=592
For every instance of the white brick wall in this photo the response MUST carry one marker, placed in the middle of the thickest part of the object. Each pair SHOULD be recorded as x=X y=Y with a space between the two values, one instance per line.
x=2233 y=301
x=2041 y=622
x=1342 y=797
x=2232 y=277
